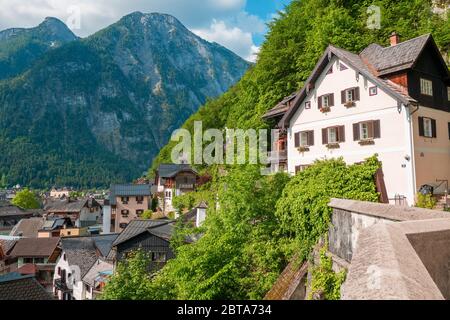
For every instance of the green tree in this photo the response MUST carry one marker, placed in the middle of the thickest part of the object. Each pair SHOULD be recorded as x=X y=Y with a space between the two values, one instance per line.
x=3 y=181
x=26 y=199
x=131 y=280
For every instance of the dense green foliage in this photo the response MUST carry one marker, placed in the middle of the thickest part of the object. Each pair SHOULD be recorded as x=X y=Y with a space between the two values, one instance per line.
x=325 y=283
x=26 y=199
x=131 y=280
x=253 y=234
x=303 y=208
x=426 y=201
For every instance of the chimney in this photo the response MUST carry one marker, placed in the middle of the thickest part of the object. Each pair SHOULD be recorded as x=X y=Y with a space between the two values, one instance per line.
x=395 y=38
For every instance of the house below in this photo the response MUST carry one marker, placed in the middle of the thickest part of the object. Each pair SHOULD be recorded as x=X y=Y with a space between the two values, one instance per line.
x=78 y=256
x=97 y=277
x=37 y=257
x=10 y=215
x=174 y=180
x=151 y=236
x=15 y=286
x=126 y=203
x=82 y=212
x=60 y=193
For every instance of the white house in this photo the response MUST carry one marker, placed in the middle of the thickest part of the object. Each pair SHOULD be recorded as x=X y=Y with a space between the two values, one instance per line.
x=391 y=101
x=78 y=256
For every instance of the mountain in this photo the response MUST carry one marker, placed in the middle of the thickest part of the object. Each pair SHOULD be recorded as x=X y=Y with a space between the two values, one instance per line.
x=97 y=110
x=20 y=47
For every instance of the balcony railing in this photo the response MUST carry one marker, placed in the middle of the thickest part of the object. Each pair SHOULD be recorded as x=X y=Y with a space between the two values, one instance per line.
x=277 y=155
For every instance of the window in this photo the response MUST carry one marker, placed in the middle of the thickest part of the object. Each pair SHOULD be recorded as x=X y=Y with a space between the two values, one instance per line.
x=159 y=256
x=304 y=139
x=59 y=271
x=333 y=135
x=139 y=199
x=326 y=101
x=125 y=213
x=125 y=200
x=139 y=212
x=308 y=105
x=366 y=130
x=373 y=91
x=27 y=260
x=426 y=87
x=350 y=95
x=427 y=127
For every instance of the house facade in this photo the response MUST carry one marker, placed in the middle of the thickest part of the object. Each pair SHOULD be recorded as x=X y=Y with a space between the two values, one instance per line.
x=83 y=212
x=174 y=180
x=78 y=256
x=391 y=101
x=151 y=236
x=127 y=203
x=37 y=257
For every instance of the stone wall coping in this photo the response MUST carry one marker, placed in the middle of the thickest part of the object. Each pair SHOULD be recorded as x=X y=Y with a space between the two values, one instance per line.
x=386 y=266
x=387 y=211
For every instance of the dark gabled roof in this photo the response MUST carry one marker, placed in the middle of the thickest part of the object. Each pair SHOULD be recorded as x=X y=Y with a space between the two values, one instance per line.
x=27 y=228
x=65 y=205
x=35 y=247
x=104 y=243
x=80 y=252
x=164 y=231
x=352 y=60
x=14 y=286
x=171 y=170
x=386 y=60
x=7 y=245
x=281 y=108
x=10 y=210
x=137 y=227
x=128 y=190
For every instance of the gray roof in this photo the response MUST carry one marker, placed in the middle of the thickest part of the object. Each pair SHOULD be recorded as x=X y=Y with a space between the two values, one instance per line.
x=35 y=247
x=170 y=170
x=7 y=245
x=65 y=205
x=126 y=190
x=356 y=62
x=136 y=227
x=16 y=287
x=82 y=251
x=98 y=267
x=395 y=58
x=104 y=243
x=10 y=210
x=28 y=228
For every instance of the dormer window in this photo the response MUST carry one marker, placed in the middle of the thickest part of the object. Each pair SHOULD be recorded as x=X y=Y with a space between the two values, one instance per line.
x=426 y=87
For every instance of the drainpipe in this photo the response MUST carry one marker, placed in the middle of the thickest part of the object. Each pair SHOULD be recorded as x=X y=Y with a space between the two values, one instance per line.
x=411 y=150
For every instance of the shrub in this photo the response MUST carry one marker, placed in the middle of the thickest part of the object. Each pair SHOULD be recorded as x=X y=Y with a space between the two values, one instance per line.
x=426 y=201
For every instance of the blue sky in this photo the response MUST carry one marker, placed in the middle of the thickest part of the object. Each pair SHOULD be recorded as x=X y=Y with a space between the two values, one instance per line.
x=239 y=25
x=264 y=9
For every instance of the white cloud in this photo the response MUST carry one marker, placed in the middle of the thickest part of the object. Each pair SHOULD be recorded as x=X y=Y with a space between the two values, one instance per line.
x=223 y=21
x=233 y=38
